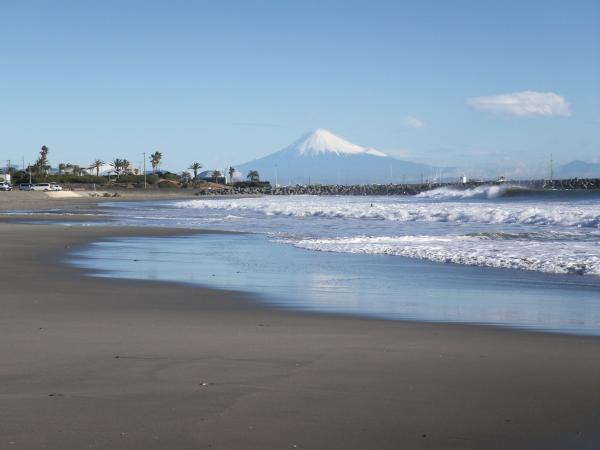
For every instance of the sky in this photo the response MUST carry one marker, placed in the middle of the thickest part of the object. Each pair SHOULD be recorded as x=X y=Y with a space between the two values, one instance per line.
x=469 y=84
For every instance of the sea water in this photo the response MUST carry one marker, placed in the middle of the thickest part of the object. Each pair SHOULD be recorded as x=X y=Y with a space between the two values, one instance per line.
x=491 y=255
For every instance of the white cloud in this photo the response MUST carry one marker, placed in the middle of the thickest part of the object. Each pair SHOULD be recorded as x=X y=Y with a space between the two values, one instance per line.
x=523 y=104
x=413 y=122
x=399 y=153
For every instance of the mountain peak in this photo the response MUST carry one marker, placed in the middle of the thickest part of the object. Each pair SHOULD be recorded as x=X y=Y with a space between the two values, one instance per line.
x=322 y=141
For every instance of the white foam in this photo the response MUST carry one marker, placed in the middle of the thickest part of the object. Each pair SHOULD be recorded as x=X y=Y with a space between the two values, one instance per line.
x=545 y=236
x=554 y=256
x=555 y=214
x=444 y=193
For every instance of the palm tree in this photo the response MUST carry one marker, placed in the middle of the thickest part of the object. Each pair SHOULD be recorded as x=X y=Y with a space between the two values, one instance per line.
x=155 y=160
x=195 y=167
x=231 y=173
x=253 y=176
x=126 y=166
x=216 y=175
x=61 y=168
x=97 y=165
x=117 y=164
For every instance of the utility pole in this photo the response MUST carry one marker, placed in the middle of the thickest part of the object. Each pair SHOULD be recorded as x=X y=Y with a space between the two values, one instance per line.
x=276 y=183
x=144 y=170
x=551 y=168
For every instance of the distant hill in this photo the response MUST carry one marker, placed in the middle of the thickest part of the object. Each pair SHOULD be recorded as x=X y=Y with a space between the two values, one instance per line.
x=322 y=157
x=579 y=169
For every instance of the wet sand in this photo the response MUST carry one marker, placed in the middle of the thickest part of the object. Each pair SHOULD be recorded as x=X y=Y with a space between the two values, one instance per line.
x=117 y=364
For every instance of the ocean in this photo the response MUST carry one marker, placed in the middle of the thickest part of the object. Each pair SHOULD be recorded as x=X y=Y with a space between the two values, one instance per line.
x=499 y=255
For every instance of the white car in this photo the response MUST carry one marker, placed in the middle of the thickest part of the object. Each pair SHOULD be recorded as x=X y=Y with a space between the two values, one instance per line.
x=41 y=187
x=4 y=186
x=46 y=187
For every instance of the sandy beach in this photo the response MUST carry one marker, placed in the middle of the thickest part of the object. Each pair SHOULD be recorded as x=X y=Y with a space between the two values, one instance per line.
x=285 y=225
x=81 y=200
x=107 y=364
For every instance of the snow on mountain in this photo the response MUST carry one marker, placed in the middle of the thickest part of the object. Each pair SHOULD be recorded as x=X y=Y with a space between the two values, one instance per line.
x=323 y=141
x=322 y=157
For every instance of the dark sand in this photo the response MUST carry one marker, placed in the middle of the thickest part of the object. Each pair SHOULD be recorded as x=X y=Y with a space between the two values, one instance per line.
x=116 y=364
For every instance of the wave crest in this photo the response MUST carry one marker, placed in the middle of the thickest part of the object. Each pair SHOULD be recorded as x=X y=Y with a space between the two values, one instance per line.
x=482 y=192
x=555 y=214
x=581 y=258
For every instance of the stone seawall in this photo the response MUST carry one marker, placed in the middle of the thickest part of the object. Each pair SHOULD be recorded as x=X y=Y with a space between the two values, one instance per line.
x=397 y=189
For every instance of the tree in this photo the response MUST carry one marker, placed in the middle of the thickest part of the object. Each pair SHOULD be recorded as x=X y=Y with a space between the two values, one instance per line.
x=126 y=166
x=155 y=160
x=253 y=176
x=117 y=164
x=216 y=175
x=41 y=165
x=231 y=173
x=195 y=167
x=61 y=168
x=185 y=177
x=97 y=165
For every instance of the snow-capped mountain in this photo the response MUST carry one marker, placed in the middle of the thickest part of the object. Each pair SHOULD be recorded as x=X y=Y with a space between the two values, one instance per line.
x=322 y=157
x=323 y=141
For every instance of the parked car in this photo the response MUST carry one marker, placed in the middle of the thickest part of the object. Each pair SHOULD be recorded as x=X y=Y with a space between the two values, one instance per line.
x=25 y=187
x=4 y=186
x=46 y=187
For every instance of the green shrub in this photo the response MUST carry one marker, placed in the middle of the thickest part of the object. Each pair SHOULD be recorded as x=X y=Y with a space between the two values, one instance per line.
x=165 y=184
x=68 y=179
x=255 y=184
x=152 y=179
x=170 y=176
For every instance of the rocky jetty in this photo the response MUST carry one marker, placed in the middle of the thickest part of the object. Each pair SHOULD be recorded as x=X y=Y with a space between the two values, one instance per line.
x=396 y=189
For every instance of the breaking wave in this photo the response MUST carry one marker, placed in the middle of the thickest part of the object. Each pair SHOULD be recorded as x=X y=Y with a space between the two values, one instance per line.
x=552 y=256
x=555 y=214
x=546 y=236
x=506 y=192
x=484 y=192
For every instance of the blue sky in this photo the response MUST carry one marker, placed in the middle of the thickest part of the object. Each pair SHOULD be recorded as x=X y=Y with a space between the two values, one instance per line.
x=226 y=82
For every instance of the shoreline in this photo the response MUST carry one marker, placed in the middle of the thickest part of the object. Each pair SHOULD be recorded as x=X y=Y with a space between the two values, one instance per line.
x=167 y=365
x=275 y=296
